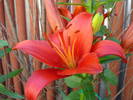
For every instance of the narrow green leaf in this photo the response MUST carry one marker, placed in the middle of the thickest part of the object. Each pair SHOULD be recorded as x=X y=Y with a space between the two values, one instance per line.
x=115 y=40
x=9 y=93
x=10 y=75
x=3 y=52
x=66 y=18
x=73 y=81
x=108 y=59
x=3 y=43
x=110 y=77
x=4 y=99
x=65 y=3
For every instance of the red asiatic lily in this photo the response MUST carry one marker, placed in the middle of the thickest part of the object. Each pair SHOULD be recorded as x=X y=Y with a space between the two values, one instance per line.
x=69 y=51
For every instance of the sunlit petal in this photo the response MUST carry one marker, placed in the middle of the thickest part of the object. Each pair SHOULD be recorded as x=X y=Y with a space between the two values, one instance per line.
x=107 y=47
x=88 y=64
x=38 y=80
x=80 y=29
x=41 y=50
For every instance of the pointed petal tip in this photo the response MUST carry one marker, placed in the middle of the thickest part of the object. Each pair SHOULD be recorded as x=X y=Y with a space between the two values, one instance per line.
x=108 y=47
x=38 y=80
x=41 y=50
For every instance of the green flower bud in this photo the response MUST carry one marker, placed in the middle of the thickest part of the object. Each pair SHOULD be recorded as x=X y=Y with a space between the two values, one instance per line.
x=97 y=22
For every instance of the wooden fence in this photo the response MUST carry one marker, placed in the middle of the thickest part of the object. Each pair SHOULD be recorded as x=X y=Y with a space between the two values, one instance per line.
x=26 y=19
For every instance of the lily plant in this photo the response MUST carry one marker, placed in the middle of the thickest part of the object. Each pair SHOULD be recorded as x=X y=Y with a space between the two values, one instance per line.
x=69 y=50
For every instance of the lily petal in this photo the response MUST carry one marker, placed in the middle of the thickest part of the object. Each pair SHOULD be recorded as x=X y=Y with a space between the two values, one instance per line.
x=80 y=29
x=88 y=64
x=38 y=80
x=107 y=47
x=53 y=15
x=41 y=50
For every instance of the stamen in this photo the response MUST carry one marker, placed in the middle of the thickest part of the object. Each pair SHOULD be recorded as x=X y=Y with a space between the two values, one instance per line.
x=60 y=53
x=73 y=47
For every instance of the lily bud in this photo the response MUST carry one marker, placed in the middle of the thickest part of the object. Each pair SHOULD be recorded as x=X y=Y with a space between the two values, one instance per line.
x=97 y=22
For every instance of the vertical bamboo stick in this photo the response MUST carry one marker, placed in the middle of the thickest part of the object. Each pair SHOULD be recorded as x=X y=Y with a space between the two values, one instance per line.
x=117 y=21
x=128 y=88
x=116 y=27
x=2 y=21
x=5 y=60
x=11 y=32
x=123 y=66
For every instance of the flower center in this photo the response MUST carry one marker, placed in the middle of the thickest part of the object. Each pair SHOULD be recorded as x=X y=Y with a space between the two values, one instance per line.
x=65 y=50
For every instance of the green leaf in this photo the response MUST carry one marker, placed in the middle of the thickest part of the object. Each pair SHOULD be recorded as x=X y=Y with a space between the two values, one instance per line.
x=3 y=43
x=108 y=59
x=99 y=3
x=109 y=3
x=115 y=40
x=108 y=89
x=4 y=99
x=75 y=95
x=98 y=97
x=103 y=30
x=7 y=92
x=66 y=18
x=10 y=75
x=3 y=52
x=73 y=81
x=110 y=77
x=88 y=89
x=65 y=3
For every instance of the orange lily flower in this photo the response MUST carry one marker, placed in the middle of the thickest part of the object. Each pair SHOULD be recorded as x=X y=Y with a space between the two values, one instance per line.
x=69 y=51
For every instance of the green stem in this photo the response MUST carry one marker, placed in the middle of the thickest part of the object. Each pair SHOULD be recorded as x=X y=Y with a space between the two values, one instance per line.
x=84 y=75
x=89 y=6
x=81 y=95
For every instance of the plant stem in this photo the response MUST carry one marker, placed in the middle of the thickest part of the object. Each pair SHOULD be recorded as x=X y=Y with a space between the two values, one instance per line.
x=81 y=95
